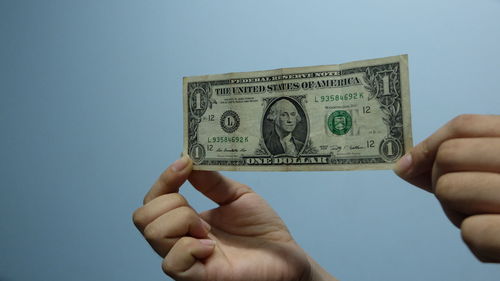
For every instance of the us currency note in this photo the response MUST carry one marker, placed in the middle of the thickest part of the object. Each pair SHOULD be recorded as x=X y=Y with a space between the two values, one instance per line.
x=333 y=117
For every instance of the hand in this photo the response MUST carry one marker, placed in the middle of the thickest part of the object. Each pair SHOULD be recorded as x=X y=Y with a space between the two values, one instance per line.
x=242 y=239
x=460 y=164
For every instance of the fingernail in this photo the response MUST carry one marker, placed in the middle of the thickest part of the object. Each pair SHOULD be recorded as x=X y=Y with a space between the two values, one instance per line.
x=205 y=224
x=180 y=164
x=403 y=165
x=207 y=242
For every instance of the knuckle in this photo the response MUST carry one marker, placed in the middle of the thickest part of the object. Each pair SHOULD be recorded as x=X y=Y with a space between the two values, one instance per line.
x=424 y=148
x=185 y=242
x=146 y=199
x=468 y=231
x=462 y=122
x=151 y=233
x=170 y=268
x=167 y=268
x=245 y=187
x=477 y=235
x=178 y=199
x=138 y=217
x=447 y=151
x=444 y=188
x=187 y=213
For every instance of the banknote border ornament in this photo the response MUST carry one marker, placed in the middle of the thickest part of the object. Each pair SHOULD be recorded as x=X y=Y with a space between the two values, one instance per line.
x=383 y=83
x=204 y=101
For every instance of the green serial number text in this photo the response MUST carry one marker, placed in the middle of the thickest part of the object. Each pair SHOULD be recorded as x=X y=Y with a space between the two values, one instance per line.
x=344 y=97
x=224 y=139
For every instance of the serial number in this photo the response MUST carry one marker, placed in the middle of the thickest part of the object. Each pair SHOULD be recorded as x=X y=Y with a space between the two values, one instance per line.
x=224 y=139
x=344 y=97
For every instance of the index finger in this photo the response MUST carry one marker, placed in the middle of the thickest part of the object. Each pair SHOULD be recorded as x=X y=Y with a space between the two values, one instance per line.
x=416 y=166
x=171 y=179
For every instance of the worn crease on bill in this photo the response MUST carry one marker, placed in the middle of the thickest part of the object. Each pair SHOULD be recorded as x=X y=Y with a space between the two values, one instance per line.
x=334 y=117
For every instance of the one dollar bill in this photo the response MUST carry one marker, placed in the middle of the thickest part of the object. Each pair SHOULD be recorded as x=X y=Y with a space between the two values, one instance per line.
x=334 y=117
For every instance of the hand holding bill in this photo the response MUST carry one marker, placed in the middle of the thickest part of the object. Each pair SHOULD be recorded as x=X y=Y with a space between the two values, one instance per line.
x=242 y=239
x=460 y=164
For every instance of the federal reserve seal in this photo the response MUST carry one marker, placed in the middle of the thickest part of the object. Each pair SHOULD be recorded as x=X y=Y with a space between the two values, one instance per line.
x=339 y=122
x=229 y=121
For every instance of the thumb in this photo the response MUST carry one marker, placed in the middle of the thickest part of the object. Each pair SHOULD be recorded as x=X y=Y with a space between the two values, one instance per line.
x=416 y=166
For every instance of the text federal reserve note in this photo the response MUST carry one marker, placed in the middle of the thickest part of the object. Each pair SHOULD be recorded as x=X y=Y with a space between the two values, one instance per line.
x=334 y=117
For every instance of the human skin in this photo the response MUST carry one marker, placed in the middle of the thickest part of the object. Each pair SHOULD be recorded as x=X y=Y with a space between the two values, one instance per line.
x=460 y=164
x=244 y=239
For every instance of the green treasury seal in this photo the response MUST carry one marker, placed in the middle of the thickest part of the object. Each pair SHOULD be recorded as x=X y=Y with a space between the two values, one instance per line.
x=339 y=122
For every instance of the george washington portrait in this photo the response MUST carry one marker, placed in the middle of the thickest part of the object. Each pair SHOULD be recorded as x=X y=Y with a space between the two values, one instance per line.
x=284 y=127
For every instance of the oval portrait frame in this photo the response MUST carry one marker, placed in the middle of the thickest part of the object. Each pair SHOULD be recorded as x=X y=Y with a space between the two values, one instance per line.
x=301 y=131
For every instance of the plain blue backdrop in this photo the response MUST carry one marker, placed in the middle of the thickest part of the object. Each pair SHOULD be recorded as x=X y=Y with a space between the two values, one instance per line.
x=90 y=114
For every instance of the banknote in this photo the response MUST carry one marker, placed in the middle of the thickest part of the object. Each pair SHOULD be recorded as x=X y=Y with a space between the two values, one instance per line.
x=333 y=117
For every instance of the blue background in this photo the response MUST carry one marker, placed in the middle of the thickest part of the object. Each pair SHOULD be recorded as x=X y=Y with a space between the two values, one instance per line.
x=90 y=114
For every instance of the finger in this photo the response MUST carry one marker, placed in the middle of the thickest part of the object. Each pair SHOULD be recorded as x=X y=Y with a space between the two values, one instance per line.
x=469 y=154
x=171 y=179
x=482 y=234
x=416 y=166
x=469 y=193
x=183 y=261
x=472 y=154
x=164 y=231
x=157 y=207
x=218 y=188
